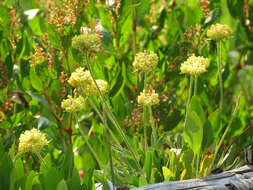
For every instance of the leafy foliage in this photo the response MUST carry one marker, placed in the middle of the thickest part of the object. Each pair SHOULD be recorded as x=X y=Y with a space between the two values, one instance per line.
x=113 y=139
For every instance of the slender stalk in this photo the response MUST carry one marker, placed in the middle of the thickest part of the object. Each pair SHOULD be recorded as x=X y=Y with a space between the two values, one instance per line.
x=69 y=129
x=151 y=116
x=197 y=168
x=145 y=129
x=93 y=105
x=110 y=147
x=220 y=73
x=189 y=99
x=145 y=117
x=89 y=145
x=41 y=159
x=154 y=132
x=134 y=26
x=195 y=85
x=67 y=60
x=134 y=36
x=226 y=131
x=112 y=117
x=193 y=165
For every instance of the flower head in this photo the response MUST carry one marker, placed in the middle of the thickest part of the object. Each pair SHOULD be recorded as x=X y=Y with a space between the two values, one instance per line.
x=195 y=65
x=85 y=41
x=91 y=89
x=80 y=77
x=32 y=141
x=148 y=98
x=73 y=104
x=145 y=61
x=219 y=31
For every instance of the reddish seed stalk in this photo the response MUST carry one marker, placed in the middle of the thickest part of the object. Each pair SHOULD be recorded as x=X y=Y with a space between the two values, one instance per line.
x=69 y=129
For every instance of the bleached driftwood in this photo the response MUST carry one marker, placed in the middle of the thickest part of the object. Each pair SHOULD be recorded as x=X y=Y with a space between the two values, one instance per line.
x=237 y=179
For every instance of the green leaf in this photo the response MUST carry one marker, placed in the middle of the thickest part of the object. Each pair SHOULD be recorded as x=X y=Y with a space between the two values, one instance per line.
x=215 y=120
x=235 y=8
x=43 y=123
x=35 y=25
x=51 y=179
x=142 y=181
x=1 y=147
x=148 y=165
x=19 y=169
x=36 y=84
x=39 y=98
x=193 y=133
x=212 y=16
x=212 y=128
x=68 y=164
x=74 y=182
x=5 y=171
x=29 y=180
x=119 y=81
x=167 y=173
x=88 y=180
x=142 y=7
x=48 y=161
x=62 y=185
x=208 y=137
x=105 y=18
x=187 y=158
x=195 y=105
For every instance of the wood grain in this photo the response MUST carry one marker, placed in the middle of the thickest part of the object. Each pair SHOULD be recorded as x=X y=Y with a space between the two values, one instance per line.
x=237 y=179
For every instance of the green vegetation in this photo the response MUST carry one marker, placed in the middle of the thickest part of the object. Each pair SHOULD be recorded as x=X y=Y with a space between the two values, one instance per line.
x=124 y=92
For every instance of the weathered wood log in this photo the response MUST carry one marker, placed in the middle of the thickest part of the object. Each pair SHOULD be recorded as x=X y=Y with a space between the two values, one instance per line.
x=237 y=179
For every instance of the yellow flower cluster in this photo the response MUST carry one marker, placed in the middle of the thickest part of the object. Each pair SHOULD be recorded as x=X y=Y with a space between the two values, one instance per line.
x=32 y=141
x=73 y=104
x=91 y=89
x=148 y=98
x=145 y=61
x=195 y=65
x=219 y=32
x=83 y=42
x=80 y=77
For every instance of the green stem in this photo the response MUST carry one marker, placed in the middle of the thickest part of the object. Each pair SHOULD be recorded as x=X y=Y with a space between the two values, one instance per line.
x=226 y=131
x=195 y=85
x=189 y=100
x=145 y=129
x=42 y=160
x=93 y=105
x=89 y=145
x=220 y=73
x=112 y=117
x=193 y=164
x=145 y=117
x=154 y=132
x=151 y=116
x=197 y=170
x=110 y=147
